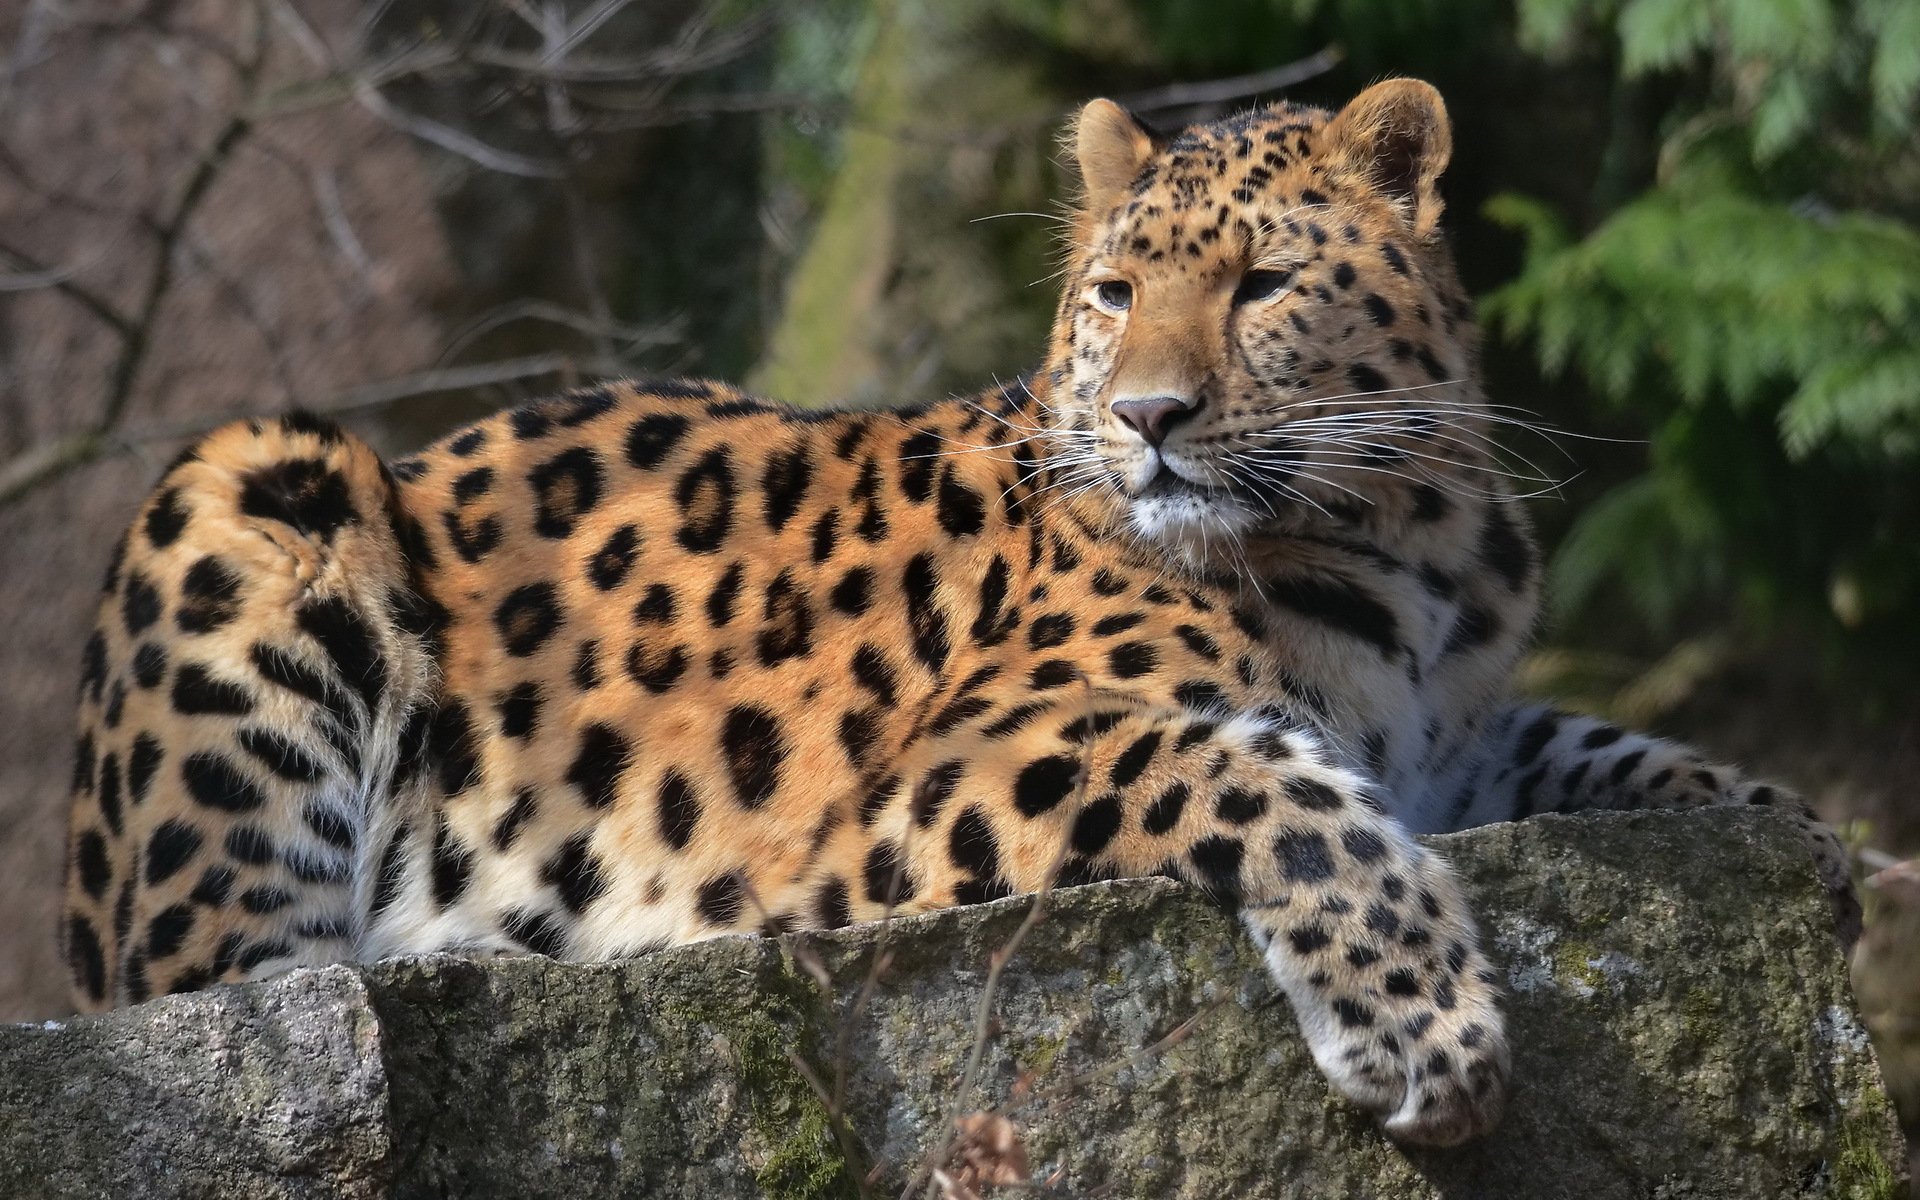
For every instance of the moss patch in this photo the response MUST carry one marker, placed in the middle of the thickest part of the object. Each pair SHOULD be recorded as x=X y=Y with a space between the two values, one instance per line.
x=1860 y=1170
x=1574 y=960
x=1700 y=1017
x=802 y=1159
x=1036 y=1053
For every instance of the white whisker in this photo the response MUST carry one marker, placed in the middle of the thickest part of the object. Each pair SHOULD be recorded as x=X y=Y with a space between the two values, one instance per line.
x=1358 y=448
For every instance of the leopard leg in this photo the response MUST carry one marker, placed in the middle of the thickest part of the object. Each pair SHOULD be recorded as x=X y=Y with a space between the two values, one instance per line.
x=258 y=655
x=1534 y=758
x=1365 y=931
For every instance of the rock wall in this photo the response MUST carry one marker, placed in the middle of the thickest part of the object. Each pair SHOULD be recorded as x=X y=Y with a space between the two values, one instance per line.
x=1680 y=1012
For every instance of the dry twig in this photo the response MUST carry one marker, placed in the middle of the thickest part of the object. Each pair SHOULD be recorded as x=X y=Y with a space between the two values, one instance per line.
x=1239 y=87
x=983 y=1020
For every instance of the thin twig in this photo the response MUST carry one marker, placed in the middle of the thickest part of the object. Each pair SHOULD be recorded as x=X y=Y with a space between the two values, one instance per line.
x=1875 y=860
x=49 y=460
x=452 y=140
x=843 y=1133
x=392 y=391
x=243 y=302
x=333 y=216
x=28 y=50
x=1239 y=87
x=302 y=32
x=59 y=198
x=60 y=280
x=631 y=337
x=996 y=968
x=167 y=237
x=564 y=122
x=36 y=280
x=650 y=111
x=1152 y=1050
x=583 y=29
x=325 y=91
x=328 y=205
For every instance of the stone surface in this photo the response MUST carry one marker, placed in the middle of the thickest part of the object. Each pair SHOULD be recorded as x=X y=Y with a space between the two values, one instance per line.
x=1680 y=1015
x=270 y=1090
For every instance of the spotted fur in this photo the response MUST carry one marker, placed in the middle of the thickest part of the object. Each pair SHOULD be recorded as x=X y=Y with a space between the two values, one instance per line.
x=1228 y=590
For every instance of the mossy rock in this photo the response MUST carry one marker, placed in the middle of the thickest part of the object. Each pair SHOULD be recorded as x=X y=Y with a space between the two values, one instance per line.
x=1681 y=1021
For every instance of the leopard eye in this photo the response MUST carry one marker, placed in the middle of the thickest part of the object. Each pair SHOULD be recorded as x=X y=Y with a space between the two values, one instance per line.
x=1256 y=286
x=1114 y=295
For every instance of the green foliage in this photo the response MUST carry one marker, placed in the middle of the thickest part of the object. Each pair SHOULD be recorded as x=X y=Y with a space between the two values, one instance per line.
x=1757 y=304
x=1780 y=65
x=1724 y=296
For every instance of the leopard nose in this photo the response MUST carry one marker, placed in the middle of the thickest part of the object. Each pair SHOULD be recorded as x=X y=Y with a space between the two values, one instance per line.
x=1153 y=417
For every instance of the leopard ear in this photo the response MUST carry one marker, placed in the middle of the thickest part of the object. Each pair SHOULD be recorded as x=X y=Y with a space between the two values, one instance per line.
x=1397 y=134
x=1111 y=145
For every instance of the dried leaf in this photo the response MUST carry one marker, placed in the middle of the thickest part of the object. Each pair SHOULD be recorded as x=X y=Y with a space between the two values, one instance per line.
x=986 y=1150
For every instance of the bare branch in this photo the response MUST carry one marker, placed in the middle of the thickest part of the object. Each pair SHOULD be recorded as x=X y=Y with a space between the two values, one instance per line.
x=560 y=118
x=28 y=50
x=167 y=234
x=392 y=391
x=33 y=281
x=333 y=88
x=686 y=56
x=133 y=353
x=58 y=197
x=302 y=32
x=1142 y=1054
x=1875 y=860
x=333 y=216
x=237 y=295
x=650 y=110
x=453 y=140
x=583 y=29
x=50 y=460
x=40 y=464
x=809 y=962
x=1239 y=87
x=60 y=279
x=631 y=337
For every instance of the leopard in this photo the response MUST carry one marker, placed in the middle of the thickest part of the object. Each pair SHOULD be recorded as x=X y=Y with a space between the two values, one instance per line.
x=1230 y=589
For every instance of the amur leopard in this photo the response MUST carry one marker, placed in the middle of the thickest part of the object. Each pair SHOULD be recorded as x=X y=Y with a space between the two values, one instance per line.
x=1227 y=590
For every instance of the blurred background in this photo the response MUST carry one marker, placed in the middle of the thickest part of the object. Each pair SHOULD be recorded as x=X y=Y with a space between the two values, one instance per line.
x=1693 y=225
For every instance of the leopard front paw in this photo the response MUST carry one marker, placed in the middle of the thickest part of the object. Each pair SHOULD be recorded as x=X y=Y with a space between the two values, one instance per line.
x=1416 y=1038
x=1456 y=1083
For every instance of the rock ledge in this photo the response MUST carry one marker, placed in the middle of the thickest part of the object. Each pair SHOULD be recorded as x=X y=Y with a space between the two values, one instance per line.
x=1680 y=1013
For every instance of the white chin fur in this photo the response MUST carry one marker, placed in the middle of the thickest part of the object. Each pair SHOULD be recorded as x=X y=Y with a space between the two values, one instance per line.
x=1194 y=524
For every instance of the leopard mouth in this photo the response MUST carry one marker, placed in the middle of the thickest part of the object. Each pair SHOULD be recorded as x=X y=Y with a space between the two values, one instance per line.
x=1168 y=484
x=1176 y=508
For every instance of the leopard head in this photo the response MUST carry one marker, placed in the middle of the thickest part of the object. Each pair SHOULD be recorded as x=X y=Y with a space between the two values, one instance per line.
x=1261 y=328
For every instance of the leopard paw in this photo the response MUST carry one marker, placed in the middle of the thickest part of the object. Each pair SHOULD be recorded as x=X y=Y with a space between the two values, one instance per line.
x=1421 y=1044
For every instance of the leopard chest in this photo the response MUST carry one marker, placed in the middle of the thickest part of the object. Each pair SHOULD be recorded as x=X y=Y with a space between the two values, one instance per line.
x=1394 y=660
